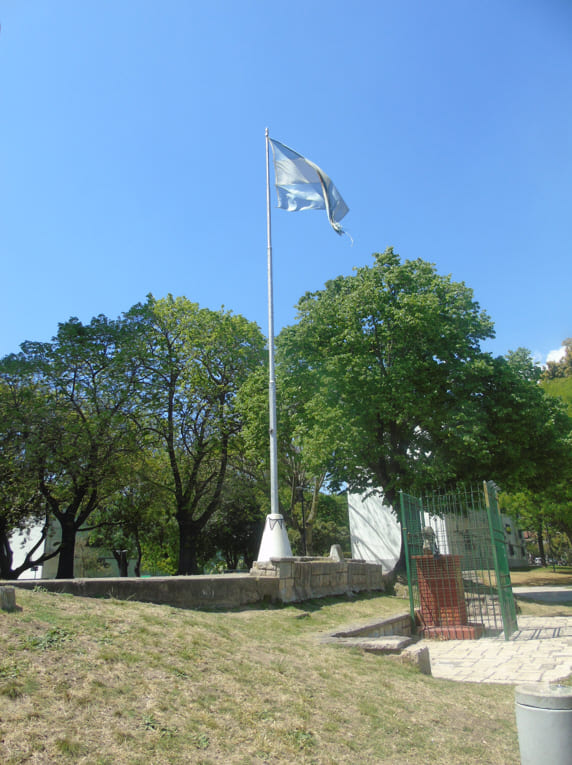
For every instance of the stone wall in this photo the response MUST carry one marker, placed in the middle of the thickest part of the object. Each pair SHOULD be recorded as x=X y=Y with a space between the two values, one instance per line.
x=305 y=578
x=285 y=580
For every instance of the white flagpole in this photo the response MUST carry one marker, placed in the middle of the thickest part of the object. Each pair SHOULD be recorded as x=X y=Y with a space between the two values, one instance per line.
x=274 y=503
x=275 y=543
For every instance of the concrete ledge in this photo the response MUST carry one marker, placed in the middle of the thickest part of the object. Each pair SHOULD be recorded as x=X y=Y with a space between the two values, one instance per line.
x=221 y=591
x=284 y=581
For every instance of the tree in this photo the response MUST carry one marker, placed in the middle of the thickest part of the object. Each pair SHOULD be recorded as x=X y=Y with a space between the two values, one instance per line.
x=380 y=359
x=21 y=505
x=235 y=529
x=562 y=368
x=560 y=387
x=546 y=500
x=131 y=519
x=194 y=361
x=75 y=431
x=394 y=391
x=556 y=379
x=300 y=477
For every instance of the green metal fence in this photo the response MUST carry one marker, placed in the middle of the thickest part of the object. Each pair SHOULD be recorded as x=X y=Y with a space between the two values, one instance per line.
x=457 y=565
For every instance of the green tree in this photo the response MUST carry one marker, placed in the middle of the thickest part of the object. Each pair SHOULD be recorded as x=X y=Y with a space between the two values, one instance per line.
x=557 y=377
x=21 y=504
x=546 y=501
x=132 y=518
x=194 y=361
x=75 y=431
x=394 y=391
x=562 y=368
x=235 y=530
x=300 y=476
x=380 y=360
x=560 y=387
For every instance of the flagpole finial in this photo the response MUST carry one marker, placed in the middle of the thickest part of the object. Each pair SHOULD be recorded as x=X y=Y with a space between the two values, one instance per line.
x=266 y=132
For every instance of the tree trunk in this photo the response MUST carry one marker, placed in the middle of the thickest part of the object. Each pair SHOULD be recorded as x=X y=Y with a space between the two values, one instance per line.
x=139 y=556
x=122 y=562
x=5 y=555
x=67 y=549
x=541 y=543
x=187 y=548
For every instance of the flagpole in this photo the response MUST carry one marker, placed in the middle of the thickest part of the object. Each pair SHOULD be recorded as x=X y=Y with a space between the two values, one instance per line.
x=275 y=543
x=274 y=503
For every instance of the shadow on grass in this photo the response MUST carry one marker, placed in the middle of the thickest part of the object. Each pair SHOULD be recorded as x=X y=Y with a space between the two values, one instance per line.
x=306 y=606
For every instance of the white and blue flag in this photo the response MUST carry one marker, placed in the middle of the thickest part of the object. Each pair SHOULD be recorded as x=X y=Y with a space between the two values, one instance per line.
x=301 y=185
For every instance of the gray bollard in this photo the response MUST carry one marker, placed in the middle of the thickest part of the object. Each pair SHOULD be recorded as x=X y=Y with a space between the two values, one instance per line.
x=544 y=723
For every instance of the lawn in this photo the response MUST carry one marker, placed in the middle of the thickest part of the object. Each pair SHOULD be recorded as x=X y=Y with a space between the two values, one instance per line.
x=540 y=576
x=119 y=682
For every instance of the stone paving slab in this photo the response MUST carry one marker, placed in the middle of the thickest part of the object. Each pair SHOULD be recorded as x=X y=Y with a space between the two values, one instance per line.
x=541 y=651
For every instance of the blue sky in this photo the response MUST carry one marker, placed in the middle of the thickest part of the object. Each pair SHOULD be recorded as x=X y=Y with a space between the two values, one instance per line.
x=132 y=153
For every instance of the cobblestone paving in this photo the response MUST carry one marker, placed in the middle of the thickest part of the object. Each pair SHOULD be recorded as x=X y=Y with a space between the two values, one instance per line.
x=541 y=651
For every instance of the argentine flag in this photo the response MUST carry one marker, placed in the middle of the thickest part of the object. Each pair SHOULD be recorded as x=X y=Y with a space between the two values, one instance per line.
x=301 y=185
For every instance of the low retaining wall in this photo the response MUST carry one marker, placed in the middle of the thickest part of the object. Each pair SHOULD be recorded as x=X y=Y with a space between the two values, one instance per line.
x=392 y=625
x=305 y=578
x=286 y=580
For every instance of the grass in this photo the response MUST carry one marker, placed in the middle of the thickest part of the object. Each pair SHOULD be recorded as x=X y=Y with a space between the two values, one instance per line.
x=540 y=576
x=105 y=681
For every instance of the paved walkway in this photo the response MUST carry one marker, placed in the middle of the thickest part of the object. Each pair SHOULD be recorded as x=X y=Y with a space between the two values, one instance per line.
x=541 y=650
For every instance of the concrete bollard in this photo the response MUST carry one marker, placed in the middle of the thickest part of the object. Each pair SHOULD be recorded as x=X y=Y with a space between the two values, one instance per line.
x=8 y=598
x=544 y=723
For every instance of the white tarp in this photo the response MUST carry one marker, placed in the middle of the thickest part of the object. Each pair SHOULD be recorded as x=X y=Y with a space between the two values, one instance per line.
x=374 y=530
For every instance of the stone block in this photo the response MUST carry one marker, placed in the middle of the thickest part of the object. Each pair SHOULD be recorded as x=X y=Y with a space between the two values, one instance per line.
x=418 y=656
x=8 y=598
x=285 y=567
x=336 y=553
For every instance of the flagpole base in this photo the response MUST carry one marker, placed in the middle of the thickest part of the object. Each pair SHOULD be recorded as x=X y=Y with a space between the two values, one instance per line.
x=275 y=542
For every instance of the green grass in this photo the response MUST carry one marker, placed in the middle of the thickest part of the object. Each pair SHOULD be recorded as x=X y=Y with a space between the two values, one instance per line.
x=104 y=681
x=540 y=576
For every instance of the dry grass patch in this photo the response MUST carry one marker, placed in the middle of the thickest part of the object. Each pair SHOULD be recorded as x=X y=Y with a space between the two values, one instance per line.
x=105 y=681
x=561 y=576
x=538 y=608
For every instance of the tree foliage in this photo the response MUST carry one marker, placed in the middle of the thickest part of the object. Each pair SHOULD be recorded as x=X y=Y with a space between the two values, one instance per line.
x=547 y=503
x=74 y=424
x=392 y=389
x=151 y=431
x=193 y=362
x=381 y=360
x=21 y=504
x=300 y=476
x=235 y=530
x=562 y=368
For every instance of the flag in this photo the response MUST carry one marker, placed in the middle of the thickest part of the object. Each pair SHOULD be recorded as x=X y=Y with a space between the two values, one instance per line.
x=301 y=185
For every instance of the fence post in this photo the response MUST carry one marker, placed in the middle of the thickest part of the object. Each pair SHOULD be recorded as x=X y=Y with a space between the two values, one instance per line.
x=404 y=532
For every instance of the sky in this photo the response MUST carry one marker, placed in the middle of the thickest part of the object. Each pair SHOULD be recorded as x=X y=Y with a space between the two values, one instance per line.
x=132 y=154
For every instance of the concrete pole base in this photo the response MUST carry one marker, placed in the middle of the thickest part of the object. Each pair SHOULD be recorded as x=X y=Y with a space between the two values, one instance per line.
x=275 y=542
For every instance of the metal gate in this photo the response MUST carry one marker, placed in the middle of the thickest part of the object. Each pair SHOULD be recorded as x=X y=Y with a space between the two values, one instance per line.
x=457 y=564
x=504 y=585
